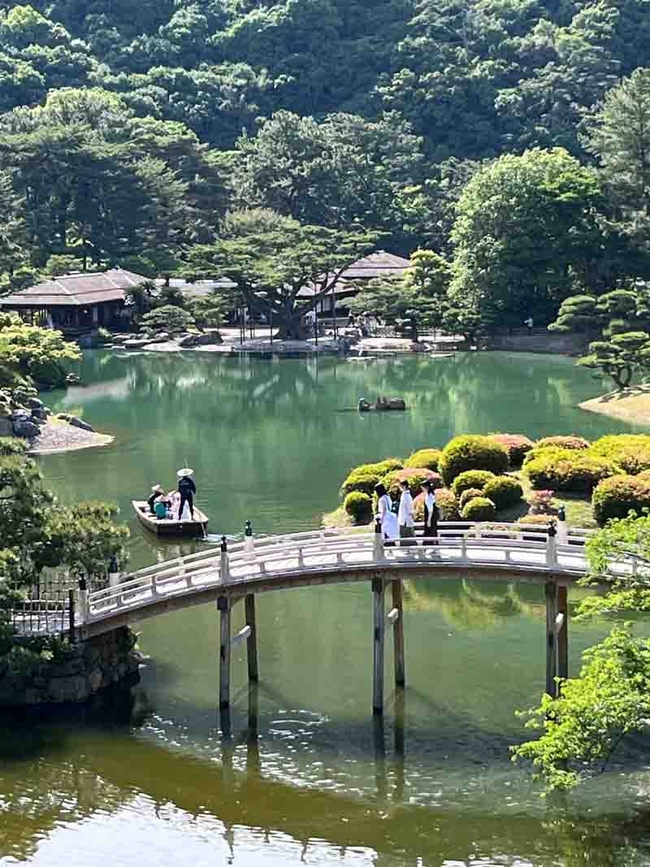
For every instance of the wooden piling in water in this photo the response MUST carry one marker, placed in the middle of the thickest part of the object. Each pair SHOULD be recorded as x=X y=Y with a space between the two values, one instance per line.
x=223 y=606
x=550 y=595
x=398 y=634
x=251 y=641
x=378 y=646
x=563 y=633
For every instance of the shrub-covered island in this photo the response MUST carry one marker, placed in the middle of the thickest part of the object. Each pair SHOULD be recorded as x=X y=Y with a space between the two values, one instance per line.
x=512 y=478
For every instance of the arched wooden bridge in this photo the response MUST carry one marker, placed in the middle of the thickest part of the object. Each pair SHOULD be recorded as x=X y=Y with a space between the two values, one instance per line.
x=507 y=551
x=510 y=552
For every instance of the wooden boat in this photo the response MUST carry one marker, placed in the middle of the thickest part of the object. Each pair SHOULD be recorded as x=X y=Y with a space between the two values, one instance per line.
x=168 y=526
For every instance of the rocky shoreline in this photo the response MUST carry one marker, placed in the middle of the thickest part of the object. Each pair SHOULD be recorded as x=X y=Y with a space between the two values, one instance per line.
x=64 y=437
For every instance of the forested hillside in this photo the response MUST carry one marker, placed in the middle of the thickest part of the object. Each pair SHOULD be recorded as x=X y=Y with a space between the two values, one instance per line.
x=129 y=129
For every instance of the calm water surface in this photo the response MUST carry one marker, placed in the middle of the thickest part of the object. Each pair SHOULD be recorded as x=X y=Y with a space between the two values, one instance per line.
x=322 y=783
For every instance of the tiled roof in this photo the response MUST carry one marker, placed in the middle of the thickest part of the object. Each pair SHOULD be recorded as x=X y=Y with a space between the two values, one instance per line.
x=199 y=288
x=76 y=290
x=375 y=265
x=379 y=264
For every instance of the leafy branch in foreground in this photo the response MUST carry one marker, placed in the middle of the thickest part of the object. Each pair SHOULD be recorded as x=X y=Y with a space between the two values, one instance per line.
x=628 y=538
x=583 y=727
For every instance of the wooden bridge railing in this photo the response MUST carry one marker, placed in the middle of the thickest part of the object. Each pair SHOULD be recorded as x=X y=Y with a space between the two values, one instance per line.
x=518 y=547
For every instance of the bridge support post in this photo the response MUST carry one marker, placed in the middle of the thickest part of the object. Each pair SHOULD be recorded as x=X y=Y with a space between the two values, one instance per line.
x=251 y=641
x=398 y=634
x=562 y=620
x=223 y=606
x=378 y=646
x=550 y=594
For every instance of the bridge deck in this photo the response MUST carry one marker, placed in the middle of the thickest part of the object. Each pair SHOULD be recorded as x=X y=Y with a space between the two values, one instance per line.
x=333 y=556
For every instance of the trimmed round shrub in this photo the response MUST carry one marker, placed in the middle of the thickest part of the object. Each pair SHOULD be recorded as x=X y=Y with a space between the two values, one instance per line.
x=619 y=495
x=445 y=501
x=364 y=477
x=413 y=476
x=630 y=451
x=562 y=442
x=504 y=491
x=426 y=459
x=472 y=453
x=471 y=479
x=358 y=506
x=568 y=470
x=479 y=509
x=517 y=446
x=468 y=495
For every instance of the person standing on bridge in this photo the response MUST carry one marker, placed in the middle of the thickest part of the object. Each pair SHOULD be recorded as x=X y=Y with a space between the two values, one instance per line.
x=387 y=518
x=430 y=510
x=405 y=513
x=187 y=489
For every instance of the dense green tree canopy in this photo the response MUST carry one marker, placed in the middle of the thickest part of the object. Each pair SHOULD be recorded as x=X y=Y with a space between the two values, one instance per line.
x=526 y=235
x=128 y=131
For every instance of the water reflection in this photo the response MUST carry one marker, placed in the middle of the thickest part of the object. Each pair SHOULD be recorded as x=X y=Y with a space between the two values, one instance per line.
x=170 y=808
x=298 y=768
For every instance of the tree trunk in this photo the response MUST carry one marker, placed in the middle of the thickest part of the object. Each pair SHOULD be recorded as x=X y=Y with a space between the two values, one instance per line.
x=622 y=378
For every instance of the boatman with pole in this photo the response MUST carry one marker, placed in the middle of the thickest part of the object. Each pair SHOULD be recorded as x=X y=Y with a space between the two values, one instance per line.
x=187 y=490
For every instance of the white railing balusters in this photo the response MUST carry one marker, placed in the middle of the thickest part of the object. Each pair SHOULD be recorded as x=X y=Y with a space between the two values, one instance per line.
x=478 y=544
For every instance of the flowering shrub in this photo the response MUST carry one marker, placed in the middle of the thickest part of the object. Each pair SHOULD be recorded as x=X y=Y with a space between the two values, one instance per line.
x=413 y=476
x=630 y=451
x=424 y=459
x=468 y=495
x=472 y=453
x=540 y=520
x=619 y=495
x=479 y=509
x=471 y=479
x=358 y=506
x=567 y=469
x=517 y=446
x=364 y=477
x=562 y=442
x=504 y=491
x=541 y=503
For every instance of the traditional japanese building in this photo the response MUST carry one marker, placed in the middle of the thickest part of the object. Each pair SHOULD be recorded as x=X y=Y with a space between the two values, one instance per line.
x=75 y=303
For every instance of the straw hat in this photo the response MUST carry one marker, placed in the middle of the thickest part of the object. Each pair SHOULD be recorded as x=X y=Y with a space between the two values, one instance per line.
x=186 y=471
x=157 y=489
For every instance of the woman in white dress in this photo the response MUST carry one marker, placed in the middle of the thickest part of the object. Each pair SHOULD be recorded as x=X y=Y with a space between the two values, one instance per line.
x=387 y=518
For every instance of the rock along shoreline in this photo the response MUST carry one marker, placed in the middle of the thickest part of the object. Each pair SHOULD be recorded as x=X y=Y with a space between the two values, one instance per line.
x=57 y=437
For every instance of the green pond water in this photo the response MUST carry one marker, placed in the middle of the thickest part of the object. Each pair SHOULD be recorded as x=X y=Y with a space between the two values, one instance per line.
x=322 y=782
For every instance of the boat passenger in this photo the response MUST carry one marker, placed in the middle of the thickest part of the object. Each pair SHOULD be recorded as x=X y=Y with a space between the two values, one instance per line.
x=187 y=489
x=160 y=507
x=156 y=491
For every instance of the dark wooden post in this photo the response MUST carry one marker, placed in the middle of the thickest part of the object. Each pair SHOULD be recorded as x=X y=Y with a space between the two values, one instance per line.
x=563 y=633
x=251 y=641
x=71 y=631
x=550 y=594
x=378 y=646
x=398 y=634
x=223 y=606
